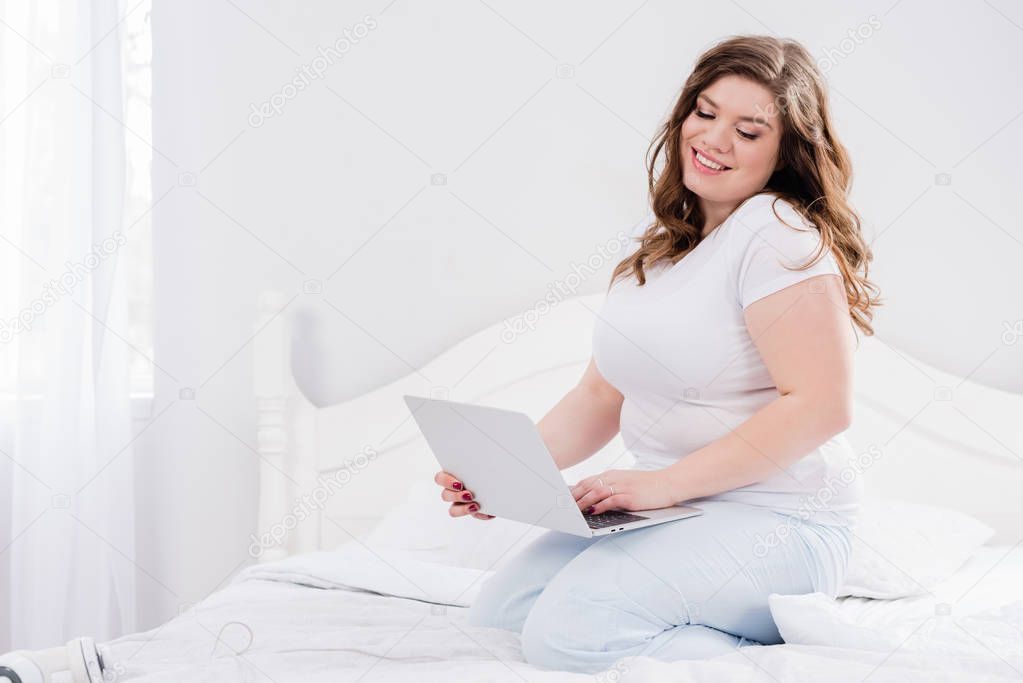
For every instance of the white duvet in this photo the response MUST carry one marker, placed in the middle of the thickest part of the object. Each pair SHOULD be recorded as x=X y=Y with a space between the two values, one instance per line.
x=359 y=615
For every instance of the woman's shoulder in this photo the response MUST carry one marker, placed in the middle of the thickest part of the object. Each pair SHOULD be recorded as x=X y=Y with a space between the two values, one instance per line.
x=771 y=218
x=766 y=209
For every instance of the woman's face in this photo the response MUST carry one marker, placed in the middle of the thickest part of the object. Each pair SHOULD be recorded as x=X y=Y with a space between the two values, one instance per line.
x=735 y=123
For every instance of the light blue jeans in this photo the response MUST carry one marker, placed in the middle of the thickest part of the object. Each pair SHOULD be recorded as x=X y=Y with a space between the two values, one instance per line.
x=689 y=589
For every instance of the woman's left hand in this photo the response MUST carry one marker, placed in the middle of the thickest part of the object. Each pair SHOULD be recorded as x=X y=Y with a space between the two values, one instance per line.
x=623 y=490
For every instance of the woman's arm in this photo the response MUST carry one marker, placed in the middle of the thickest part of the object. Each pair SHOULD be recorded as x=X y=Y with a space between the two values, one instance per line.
x=583 y=421
x=804 y=336
x=777 y=435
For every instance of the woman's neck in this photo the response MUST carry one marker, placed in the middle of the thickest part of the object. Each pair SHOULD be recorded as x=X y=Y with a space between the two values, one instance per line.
x=716 y=213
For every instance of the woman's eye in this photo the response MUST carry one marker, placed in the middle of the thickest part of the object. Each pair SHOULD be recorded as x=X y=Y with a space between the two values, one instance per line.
x=744 y=134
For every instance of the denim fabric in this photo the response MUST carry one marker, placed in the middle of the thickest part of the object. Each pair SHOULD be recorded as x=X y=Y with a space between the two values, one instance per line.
x=689 y=589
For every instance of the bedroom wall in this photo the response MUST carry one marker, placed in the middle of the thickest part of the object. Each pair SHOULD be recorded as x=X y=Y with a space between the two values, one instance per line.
x=461 y=158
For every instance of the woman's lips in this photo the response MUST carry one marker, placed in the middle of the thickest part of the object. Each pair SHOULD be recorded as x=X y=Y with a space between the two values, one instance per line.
x=706 y=170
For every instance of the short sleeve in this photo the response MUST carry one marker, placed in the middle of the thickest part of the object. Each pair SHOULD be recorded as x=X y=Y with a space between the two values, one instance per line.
x=772 y=247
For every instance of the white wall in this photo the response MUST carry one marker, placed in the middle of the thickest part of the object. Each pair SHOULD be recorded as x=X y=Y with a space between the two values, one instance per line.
x=540 y=170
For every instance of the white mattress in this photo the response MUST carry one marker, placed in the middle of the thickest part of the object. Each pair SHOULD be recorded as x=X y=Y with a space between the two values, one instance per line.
x=317 y=618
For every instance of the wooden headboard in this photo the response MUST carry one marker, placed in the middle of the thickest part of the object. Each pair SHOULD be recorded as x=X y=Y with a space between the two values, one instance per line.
x=330 y=473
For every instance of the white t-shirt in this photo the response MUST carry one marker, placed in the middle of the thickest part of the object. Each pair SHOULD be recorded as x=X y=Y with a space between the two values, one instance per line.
x=679 y=351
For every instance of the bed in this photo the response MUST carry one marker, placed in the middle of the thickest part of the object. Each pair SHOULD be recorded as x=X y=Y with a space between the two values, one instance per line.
x=360 y=575
x=307 y=622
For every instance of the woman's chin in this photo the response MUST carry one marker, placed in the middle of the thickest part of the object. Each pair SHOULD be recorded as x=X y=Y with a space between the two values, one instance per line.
x=701 y=190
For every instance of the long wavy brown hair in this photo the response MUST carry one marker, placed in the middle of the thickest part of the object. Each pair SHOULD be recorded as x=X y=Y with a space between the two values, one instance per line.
x=815 y=176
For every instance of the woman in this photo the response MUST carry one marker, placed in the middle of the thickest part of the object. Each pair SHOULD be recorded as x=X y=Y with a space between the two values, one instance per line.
x=727 y=367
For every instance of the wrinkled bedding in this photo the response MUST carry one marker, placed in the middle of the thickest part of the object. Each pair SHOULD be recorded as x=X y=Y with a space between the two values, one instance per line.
x=358 y=615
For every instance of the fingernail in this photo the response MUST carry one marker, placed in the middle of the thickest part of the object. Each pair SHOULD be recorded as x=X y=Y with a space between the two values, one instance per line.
x=456 y=485
x=466 y=496
x=474 y=507
x=589 y=510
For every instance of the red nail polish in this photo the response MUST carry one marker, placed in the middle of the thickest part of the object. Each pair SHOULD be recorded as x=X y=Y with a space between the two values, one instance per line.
x=456 y=485
x=466 y=496
x=589 y=510
x=474 y=507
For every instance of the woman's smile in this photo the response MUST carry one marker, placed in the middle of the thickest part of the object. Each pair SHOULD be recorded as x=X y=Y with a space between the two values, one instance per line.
x=706 y=164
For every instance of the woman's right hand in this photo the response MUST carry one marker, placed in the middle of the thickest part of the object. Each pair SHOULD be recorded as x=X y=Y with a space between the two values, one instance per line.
x=461 y=499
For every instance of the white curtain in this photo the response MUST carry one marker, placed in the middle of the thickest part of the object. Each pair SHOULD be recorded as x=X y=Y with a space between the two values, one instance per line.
x=67 y=529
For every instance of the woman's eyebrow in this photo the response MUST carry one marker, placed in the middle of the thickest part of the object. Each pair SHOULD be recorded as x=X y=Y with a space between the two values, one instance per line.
x=751 y=119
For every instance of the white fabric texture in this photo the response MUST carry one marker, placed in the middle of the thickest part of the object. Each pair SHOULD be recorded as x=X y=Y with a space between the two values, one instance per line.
x=977 y=611
x=356 y=566
x=67 y=480
x=881 y=625
x=421 y=528
x=904 y=549
x=679 y=350
x=286 y=630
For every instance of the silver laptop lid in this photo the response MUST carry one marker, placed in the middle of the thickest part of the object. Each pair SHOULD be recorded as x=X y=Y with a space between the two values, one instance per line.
x=502 y=459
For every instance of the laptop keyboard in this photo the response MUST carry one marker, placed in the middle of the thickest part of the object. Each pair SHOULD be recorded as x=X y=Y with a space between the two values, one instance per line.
x=610 y=518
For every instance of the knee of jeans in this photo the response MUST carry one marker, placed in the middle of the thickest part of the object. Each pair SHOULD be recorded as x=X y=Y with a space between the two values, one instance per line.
x=481 y=615
x=486 y=609
x=542 y=647
x=564 y=632
x=540 y=637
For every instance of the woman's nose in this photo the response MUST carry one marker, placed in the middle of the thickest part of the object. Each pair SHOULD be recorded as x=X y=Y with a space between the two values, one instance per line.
x=715 y=138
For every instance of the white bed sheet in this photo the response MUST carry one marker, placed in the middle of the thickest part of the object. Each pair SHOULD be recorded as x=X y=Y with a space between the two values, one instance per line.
x=978 y=612
x=309 y=619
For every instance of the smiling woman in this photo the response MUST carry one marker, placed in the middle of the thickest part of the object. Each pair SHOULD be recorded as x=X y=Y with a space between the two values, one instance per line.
x=753 y=115
x=725 y=362
x=728 y=152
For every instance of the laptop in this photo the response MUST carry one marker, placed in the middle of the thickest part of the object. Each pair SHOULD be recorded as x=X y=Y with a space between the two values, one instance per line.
x=502 y=459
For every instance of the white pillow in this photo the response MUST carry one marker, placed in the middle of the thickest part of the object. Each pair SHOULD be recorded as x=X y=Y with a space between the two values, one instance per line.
x=901 y=549
x=916 y=624
x=422 y=527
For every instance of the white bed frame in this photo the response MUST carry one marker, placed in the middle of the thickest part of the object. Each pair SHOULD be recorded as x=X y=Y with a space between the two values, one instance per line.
x=942 y=440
